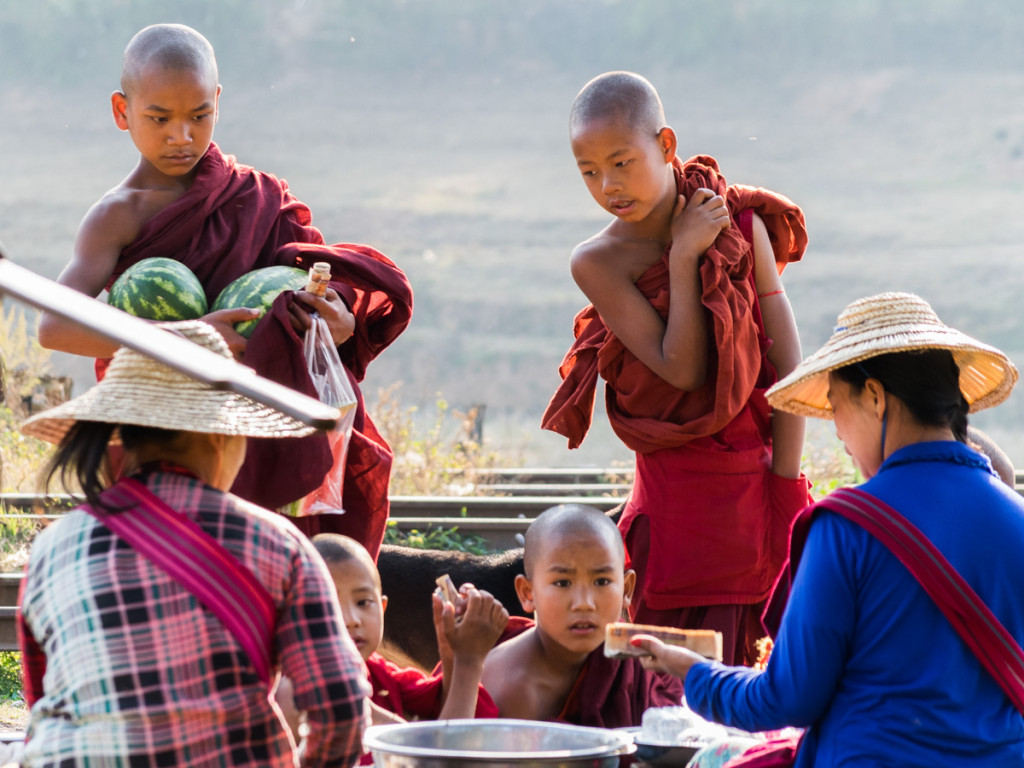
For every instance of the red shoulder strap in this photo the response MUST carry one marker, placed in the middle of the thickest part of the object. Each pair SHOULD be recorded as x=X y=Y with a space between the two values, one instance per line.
x=984 y=634
x=197 y=561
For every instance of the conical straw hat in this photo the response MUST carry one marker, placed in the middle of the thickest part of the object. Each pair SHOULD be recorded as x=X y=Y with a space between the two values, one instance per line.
x=139 y=390
x=893 y=322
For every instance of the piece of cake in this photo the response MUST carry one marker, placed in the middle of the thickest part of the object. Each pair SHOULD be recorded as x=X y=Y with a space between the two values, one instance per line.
x=706 y=642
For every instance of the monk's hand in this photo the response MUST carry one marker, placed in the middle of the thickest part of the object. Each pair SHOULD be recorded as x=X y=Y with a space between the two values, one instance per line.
x=473 y=633
x=665 y=658
x=697 y=222
x=224 y=321
x=331 y=307
x=444 y=616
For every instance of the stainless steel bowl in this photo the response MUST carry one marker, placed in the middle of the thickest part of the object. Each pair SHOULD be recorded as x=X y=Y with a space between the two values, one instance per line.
x=490 y=743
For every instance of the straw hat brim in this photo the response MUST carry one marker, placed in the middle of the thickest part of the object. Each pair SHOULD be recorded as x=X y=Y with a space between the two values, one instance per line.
x=986 y=374
x=138 y=390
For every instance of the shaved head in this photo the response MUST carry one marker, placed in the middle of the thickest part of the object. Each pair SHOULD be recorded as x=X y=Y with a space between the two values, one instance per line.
x=624 y=95
x=568 y=520
x=170 y=47
x=336 y=549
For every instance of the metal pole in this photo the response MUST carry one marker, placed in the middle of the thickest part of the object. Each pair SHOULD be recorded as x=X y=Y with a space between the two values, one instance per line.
x=172 y=350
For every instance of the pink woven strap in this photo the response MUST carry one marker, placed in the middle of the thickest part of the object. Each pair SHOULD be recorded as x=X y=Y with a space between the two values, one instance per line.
x=984 y=634
x=176 y=544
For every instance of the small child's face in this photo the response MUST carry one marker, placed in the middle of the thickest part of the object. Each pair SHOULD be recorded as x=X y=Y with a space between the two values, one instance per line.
x=576 y=587
x=624 y=168
x=170 y=115
x=362 y=604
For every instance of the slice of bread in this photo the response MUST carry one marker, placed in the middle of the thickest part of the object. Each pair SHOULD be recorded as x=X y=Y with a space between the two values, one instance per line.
x=706 y=642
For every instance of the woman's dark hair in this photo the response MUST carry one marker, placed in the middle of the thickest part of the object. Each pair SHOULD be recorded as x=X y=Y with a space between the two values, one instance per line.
x=926 y=381
x=82 y=454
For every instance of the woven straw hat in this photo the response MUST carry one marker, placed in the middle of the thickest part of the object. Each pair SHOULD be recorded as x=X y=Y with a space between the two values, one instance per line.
x=139 y=390
x=893 y=322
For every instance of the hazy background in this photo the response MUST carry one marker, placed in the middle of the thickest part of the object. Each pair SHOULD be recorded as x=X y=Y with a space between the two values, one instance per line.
x=436 y=131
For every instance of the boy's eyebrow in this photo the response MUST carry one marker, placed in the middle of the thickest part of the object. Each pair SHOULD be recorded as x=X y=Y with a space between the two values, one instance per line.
x=556 y=568
x=611 y=156
x=361 y=590
x=157 y=108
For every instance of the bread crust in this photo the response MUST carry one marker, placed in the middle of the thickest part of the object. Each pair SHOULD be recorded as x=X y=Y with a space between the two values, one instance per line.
x=706 y=642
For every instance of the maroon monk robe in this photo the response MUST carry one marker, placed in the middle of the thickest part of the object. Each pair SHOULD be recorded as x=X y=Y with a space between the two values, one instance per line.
x=707 y=522
x=614 y=693
x=609 y=693
x=235 y=219
x=648 y=413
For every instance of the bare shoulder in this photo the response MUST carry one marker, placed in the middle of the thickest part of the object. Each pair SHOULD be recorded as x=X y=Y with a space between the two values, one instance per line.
x=607 y=261
x=118 y=216
x=515 y=650
x=111 y=224
x=596 y=250
x=507 y=672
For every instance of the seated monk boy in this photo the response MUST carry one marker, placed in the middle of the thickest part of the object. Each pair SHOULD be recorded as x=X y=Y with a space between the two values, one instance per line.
x=466 y=631
x=185 y=200
x=575 y=584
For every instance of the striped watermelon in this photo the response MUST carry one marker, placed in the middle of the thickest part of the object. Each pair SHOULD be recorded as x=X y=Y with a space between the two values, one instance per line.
x=258 y=289
x=159 y=289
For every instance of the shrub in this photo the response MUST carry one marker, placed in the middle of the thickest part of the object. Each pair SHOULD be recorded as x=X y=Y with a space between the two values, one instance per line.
x=24 y=366
x=10 y=676
x=826 y=463
x=435 y=459
x=448 y=539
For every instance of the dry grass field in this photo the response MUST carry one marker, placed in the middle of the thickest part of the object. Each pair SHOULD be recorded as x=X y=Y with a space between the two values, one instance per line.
x=443 y=144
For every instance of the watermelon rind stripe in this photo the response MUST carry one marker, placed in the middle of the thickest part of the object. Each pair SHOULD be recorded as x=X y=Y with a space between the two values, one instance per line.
x=257 y=290
x=159 y=289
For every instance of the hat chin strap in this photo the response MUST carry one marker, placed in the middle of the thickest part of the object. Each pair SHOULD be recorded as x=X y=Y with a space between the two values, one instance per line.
x=885 y=425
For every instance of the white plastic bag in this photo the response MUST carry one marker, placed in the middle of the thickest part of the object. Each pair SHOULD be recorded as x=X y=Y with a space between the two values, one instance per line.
x=334 y=388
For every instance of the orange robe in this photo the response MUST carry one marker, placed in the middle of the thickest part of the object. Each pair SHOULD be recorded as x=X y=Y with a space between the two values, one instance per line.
x=711 y=521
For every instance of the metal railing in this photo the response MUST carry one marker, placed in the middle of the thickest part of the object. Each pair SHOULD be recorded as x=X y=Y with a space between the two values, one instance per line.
x=501 y=520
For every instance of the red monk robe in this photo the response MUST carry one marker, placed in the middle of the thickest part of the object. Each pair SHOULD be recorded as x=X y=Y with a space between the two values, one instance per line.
x=707 y=523
x=413 y=694
x=610 y=693
x=235 y=219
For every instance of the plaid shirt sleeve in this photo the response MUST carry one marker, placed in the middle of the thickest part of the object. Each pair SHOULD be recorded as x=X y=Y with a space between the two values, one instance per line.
x=33 y=660
x=329 y=679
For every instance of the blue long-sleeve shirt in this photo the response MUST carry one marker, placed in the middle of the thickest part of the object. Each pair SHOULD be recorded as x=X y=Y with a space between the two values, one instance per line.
x=864 y=658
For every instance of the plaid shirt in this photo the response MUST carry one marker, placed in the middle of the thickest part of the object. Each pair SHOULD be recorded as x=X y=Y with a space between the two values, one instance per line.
x=124 y=668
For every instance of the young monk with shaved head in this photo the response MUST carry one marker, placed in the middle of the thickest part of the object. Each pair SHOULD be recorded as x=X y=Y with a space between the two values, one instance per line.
x=185 y=200
x=575 y=584
x=688 y=325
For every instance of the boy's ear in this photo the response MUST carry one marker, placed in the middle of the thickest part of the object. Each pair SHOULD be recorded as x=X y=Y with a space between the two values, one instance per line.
x=525 y=593
x=667 y=140
x=119 y=106
x=216 y=105
x=628 y=585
